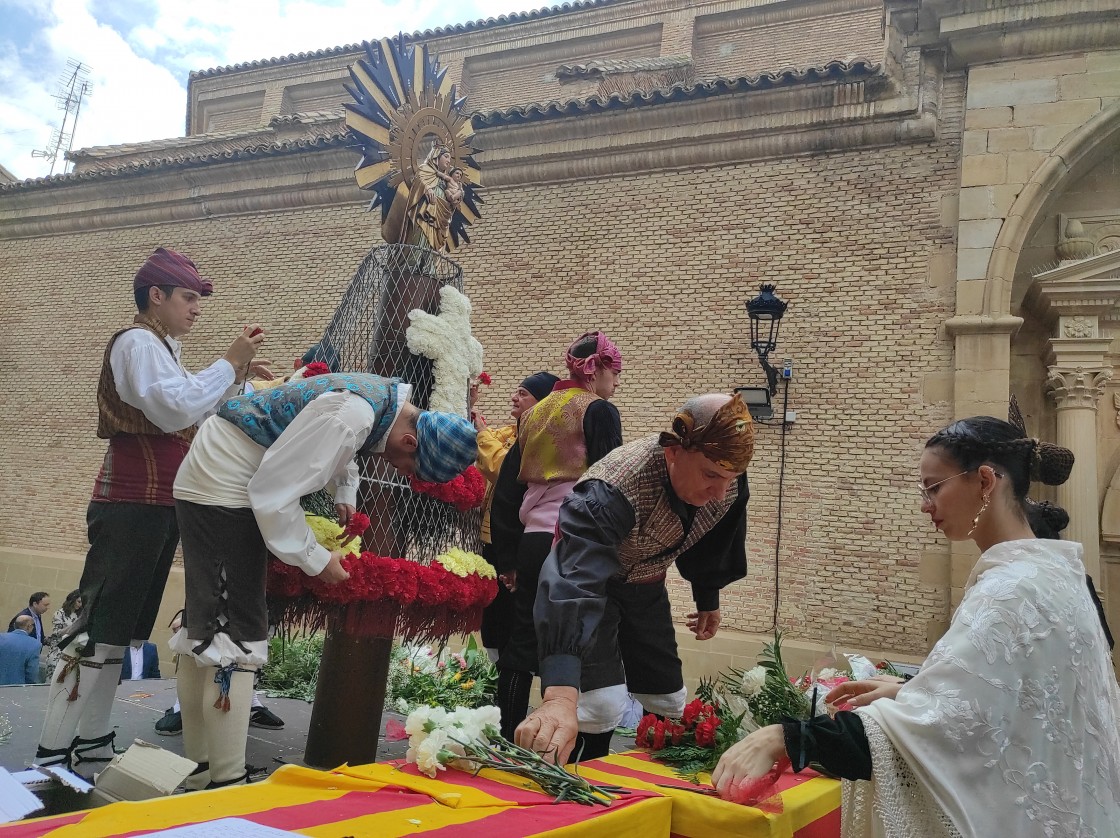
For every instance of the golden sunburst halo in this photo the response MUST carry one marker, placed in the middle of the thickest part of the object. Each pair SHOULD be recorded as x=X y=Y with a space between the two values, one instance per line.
x=404 y=107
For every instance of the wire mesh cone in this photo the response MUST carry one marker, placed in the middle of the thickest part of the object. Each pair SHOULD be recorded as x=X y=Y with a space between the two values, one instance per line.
x=367 y=334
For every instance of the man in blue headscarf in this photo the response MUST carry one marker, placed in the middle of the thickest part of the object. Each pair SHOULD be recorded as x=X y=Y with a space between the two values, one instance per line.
x=237 y=496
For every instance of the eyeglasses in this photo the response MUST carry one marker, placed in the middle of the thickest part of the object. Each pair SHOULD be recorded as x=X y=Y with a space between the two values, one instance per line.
x=926 y=491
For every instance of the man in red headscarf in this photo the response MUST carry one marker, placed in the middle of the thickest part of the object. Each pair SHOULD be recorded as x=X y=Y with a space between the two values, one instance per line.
x=148 y=409
x=603 y=618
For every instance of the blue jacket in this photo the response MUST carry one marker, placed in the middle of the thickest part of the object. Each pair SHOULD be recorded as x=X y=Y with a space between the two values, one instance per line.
x=151 y=663
x=19 y=658
x=40 y=635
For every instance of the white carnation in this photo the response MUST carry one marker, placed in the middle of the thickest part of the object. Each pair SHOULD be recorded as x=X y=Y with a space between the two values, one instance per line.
x=424 y=720
x=489 y=720
x=828 y=673
x=428 y=753
x=752 y=681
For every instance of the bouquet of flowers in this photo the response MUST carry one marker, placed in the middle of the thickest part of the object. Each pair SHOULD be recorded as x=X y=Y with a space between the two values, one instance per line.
x=419 y=677
x=738 y=702
x=694 y=743
x=470 y=741
x=766 y=694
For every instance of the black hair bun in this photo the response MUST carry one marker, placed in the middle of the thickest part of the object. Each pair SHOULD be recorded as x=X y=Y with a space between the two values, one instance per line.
x=1051 y=463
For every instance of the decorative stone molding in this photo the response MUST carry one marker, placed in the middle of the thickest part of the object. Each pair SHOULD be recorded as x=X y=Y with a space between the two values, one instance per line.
x=1073 y=244
x=1079 y=327
x=182 y=192
x=977 y=33
x=1098 y=231
x=1076 y=387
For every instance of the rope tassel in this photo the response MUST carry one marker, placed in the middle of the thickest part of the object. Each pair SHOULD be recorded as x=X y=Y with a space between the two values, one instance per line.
x=223 y=677
x=74 y=664
x=71 y=665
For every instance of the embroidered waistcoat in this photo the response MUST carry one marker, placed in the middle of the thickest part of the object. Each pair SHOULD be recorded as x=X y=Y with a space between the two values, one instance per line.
x=142 y=460
x=553 y=445
x=115 y=416
x=638 y=470
x=264 y=416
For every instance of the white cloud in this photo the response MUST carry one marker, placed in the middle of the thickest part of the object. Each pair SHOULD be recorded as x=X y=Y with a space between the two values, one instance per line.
x=142 y=51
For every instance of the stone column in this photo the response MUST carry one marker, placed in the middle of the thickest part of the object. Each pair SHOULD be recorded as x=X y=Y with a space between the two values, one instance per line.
x=981 y=387
x=1076 y=391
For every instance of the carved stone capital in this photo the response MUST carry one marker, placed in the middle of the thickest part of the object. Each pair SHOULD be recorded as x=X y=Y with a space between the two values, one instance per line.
x=1076 y=387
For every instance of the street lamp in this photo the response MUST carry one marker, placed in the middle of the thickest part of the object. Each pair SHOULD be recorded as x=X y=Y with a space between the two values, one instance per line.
x=766 y=312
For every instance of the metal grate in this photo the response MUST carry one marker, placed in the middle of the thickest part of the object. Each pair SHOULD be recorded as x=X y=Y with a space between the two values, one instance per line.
x=367 y=334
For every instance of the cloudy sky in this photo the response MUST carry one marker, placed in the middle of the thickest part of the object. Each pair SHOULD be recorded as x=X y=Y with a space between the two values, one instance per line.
x=140 y=53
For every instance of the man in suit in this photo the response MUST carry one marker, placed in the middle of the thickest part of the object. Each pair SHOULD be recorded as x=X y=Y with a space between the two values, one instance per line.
x=37 y=606
x=19 y=653
x=140 y=661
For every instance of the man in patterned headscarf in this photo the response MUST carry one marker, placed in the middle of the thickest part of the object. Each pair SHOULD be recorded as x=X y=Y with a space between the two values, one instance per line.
x=603 y=615
x=237 y=498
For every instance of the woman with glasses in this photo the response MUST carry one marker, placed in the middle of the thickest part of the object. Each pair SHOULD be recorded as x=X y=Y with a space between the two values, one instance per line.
x=1010 y=727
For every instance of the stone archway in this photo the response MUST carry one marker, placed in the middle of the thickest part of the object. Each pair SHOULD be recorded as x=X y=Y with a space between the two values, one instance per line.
x=1079 y=151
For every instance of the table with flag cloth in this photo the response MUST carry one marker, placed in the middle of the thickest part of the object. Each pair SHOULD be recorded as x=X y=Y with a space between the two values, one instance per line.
x=388 y=799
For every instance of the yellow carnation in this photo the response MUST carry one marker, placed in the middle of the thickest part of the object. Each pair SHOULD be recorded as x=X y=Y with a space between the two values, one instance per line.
x=463 y=563
x=329 y=534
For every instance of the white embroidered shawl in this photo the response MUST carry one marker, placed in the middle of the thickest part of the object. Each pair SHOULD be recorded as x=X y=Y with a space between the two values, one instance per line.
x=1010 y=728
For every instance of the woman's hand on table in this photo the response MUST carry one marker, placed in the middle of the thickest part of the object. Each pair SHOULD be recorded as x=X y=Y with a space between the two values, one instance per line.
x=862 y=693
x=748 y=759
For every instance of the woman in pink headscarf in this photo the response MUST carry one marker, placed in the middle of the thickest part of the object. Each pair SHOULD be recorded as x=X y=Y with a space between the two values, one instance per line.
x=557 y=440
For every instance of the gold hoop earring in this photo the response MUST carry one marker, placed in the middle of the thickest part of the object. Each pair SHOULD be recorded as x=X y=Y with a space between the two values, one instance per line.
x=976 y=520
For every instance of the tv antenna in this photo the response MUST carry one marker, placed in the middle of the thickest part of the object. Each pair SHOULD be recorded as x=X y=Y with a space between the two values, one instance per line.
x=73 y=87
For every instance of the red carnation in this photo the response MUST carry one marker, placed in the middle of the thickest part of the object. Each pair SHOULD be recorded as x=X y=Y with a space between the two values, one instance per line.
x=658 y=735
x=706 y=732
x=692 y=712
x=316 y=368
x=484 y=378
x=464 y=492
x=644 y=726
x=676 y=731
x=356 y=526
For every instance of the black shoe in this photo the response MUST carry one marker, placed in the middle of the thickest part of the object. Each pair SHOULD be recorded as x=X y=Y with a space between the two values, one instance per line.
x=171 y=724
x=264 y=718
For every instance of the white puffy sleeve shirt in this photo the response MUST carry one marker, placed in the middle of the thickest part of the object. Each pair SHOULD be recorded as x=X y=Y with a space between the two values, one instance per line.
x=226 y=468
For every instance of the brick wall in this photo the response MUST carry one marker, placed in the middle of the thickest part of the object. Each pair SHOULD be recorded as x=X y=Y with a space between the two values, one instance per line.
x=664 y=263
x=738 y=43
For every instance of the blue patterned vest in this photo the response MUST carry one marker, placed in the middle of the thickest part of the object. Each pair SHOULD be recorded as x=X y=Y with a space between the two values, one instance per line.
x=263 y=416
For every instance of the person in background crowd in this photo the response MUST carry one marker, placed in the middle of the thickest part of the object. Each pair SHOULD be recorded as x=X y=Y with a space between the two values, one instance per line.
x=493 y=445
x=140 y=661
x=19 y=653
x=64 y=617
x=37 y=605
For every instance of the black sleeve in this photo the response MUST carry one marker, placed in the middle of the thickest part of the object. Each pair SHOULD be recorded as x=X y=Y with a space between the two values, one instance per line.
x=572 y=591
x=602 y=428
x=720 y=556
x=838 y=744
x=505 y=512
x=1100 y=611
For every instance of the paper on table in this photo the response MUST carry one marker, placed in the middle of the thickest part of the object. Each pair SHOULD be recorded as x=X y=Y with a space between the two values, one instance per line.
x=223 y=829
x=15 y=801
